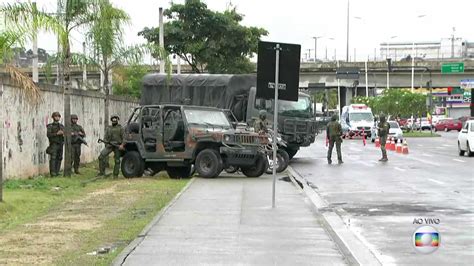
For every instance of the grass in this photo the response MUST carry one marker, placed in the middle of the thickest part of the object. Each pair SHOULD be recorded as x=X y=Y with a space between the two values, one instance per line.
x=60 y=220
x=420 y=134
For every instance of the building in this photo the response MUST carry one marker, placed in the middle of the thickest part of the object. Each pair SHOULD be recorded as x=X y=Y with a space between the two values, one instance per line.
x=444 y=49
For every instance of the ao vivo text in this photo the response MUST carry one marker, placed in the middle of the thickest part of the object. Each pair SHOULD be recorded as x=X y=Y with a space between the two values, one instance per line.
x=426 y=221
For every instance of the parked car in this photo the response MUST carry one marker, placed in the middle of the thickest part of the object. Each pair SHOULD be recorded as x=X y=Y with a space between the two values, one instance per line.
x=395 y=132
x=463 y=119
x=425 y=124
x=448 y=124
x=412 y=125
x=466 y=139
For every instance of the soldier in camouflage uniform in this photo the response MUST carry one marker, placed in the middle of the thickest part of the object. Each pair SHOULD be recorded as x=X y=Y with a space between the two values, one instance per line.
x=382 y=132
x=55 y=133
x=261 y=124
x=77 y=132
x=115 y=135
x=333 y=133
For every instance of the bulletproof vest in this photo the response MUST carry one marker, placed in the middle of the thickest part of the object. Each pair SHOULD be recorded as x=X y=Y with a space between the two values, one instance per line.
x=53 y=129
x=115 y=133
x=334 y=129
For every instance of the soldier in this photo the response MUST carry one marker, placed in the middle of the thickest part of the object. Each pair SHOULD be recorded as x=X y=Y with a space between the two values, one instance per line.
x=113 y=134
x=261 y=124
x=382 y=132
x=333 y=133
x=55 y=133
x=78 y=135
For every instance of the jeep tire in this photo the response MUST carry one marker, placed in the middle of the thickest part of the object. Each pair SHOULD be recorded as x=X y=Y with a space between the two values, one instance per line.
x=179 y=172
x=209 y=163
x=256 y=170
x=132 y=165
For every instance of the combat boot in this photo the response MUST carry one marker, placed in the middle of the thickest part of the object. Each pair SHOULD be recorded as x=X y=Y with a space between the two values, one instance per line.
x=384 y=159
x=329 y=161
x=76 y=171
x=340 y=161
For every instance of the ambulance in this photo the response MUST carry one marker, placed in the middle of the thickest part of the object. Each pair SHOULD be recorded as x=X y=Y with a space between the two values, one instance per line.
x=356 y=119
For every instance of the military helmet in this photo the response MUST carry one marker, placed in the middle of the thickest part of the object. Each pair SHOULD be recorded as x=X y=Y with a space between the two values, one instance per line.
x=56 y=114
x=114 y=116
x=262 y=113
x=73 y=116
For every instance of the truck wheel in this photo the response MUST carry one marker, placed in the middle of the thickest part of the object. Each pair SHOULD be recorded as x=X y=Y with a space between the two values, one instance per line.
x=209 y=163
x=291 y=153
x=179 y=172
x=258 y=169
x=132 y=165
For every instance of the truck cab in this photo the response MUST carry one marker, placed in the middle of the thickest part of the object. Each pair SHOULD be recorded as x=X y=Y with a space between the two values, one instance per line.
x=296 y=122
x=174 y=137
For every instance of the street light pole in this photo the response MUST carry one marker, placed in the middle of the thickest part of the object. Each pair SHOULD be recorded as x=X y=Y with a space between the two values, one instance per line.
x=388 y=50
x=316 y=47
x=347 y=44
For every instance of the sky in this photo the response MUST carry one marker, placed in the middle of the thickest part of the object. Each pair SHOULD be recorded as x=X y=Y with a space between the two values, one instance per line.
x=297 y=21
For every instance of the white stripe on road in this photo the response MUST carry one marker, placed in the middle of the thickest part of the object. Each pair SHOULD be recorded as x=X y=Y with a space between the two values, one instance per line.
x=447 y=145
x=424 y=161
x=419 y=145
x=457 y=160
x=400 y=169
x=427 y=155
x=366 y=163
x=436 y=181
x=355 y=149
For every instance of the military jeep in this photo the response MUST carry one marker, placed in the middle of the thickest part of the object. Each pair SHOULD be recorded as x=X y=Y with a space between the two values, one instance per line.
x=176 y=137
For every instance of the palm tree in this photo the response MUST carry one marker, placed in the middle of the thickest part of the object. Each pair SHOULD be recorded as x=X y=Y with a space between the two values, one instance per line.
x=27 y=88
x=71 y=15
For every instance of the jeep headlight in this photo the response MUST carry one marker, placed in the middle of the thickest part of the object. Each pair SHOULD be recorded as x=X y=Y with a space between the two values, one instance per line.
x=227 y=138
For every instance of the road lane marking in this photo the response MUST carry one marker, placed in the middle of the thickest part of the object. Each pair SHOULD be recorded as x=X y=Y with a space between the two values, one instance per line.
x=448 y=145
x=457 y=160
x=427 y=155
x=419 y=145
x=399 y=169
x=424 y=161
x=436 y=181
x=366 y=163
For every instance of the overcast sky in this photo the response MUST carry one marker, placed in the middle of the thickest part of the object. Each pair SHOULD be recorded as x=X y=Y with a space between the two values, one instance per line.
x=297 y=21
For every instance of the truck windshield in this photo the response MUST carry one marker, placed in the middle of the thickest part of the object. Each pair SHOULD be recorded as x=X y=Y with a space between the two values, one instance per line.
x=207 y=118
x=361 y=117
x=300 y=108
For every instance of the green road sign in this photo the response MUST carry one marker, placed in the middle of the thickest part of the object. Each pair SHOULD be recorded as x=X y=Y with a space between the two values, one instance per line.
x=447 y=68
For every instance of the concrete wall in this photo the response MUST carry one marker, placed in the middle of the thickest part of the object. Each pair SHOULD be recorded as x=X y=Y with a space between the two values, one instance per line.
x=24 y=128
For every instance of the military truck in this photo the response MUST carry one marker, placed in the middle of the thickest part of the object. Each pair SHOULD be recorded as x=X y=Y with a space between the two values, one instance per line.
x=237 y=93
x=175 y=137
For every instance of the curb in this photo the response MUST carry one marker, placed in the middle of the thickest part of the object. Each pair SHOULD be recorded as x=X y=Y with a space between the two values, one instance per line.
x=120 y=259
x=351 y=247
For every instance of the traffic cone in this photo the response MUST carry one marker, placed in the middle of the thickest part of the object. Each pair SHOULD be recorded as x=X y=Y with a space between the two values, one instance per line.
x=392 y=144
x=398 y=147
x=387 y=144
x=405 y=147
x=377 y=142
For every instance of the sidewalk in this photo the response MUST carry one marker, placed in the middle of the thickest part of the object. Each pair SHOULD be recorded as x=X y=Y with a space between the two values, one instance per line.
x=229 y=221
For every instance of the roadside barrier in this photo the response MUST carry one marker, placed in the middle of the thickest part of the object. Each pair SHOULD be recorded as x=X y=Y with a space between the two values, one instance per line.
x=405 y=147
x=398 y=147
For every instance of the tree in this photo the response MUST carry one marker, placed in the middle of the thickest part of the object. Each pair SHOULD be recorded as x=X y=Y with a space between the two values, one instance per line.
x=395 y=102
x=72 y=14
x=128 y=80
x=207 y=39
x=27 y=88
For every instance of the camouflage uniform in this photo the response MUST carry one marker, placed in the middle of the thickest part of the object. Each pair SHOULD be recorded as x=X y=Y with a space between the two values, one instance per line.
x=333 y=133
x=113 y=134
x=77 y=131
x=261 y=124
x=55 y=148
x=382 y=133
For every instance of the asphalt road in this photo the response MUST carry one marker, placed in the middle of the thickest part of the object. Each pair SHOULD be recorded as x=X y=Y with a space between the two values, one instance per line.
x=380 y=201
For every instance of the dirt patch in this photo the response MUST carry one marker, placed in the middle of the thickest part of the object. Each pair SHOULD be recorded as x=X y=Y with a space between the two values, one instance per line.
x=60 y=230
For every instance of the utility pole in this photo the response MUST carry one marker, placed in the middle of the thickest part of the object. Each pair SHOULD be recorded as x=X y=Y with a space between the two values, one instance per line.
x=162 y=41
x=347 y=44
x=35 y=46
x=84 y=67
x=452 y=43
x=316 y=47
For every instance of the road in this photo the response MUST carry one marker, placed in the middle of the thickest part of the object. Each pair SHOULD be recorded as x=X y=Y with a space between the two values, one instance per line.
x=379 y=201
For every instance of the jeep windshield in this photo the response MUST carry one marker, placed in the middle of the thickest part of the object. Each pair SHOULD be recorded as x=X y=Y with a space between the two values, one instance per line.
x=301 y=108
x=207 y=118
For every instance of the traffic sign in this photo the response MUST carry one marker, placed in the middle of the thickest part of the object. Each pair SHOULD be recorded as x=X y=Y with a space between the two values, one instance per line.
x=447 y=68
x=289 y=70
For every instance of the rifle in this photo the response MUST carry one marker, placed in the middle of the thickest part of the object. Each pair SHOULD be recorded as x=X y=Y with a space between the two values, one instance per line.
x=108 y=143
x=78 y=138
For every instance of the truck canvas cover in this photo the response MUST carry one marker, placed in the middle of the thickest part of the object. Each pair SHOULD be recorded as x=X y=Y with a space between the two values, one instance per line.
x=221 y=91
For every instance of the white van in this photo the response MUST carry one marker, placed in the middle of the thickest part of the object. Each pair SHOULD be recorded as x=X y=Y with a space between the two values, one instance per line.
x=355 y=119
